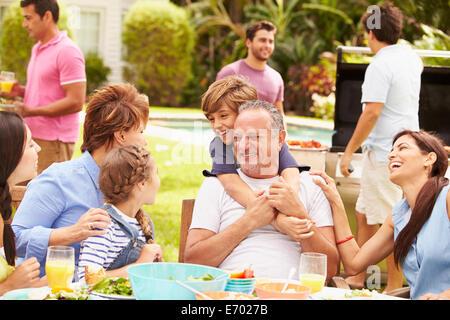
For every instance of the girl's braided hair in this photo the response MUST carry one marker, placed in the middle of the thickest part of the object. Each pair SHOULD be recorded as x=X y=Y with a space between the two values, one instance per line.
x=120 y=171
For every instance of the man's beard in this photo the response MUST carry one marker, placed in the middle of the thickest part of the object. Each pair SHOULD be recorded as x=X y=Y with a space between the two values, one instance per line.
x=258 y=56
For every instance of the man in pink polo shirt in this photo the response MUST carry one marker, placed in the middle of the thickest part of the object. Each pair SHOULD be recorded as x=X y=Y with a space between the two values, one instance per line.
x=56 y=84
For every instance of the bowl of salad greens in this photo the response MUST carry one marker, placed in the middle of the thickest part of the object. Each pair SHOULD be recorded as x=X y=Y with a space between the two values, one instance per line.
x=156 y=281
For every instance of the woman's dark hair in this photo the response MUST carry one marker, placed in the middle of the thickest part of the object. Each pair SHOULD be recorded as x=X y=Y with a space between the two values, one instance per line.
x=427 y=196
x=13 y=135
x=42 y=6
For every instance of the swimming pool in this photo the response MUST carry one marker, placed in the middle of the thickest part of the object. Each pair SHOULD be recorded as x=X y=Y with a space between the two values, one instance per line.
x=199 y=130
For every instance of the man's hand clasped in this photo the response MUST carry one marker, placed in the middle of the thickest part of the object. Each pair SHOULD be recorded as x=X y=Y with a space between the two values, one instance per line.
x=282 y=208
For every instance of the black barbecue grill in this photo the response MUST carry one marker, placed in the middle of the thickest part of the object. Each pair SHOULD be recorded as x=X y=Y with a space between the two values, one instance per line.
x=434 y=103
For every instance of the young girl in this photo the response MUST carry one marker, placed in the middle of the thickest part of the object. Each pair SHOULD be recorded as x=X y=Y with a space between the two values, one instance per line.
x=18 y=154
x=128 y=180
x=220 y=104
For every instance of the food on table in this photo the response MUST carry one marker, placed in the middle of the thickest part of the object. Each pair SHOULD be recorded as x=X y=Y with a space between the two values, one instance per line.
x=447 y=148
x=245 y=274
x=340 y=294
x=365 y=293
x=6 y=101
x=77 y=292
x=112 y=285
x=81 y=293
x=311 y=144
x=92 y=274
x=205 y=277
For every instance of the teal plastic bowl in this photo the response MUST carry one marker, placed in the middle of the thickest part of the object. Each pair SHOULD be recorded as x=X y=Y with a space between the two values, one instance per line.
x=248 y=289
x=151 y=281
x=241 y=281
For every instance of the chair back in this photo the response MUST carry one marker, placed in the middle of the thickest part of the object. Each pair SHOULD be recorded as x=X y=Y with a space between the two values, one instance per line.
x=187 y=207
x=17 y=193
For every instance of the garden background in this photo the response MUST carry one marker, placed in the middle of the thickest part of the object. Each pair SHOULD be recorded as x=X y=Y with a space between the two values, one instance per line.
x=173 y=50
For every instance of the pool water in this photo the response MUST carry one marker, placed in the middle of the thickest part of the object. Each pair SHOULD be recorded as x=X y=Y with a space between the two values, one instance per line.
x=202 y=128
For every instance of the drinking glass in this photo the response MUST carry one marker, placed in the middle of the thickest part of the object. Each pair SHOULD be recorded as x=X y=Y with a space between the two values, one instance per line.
x=313 y=270
x=7 y=80
x=60 y=267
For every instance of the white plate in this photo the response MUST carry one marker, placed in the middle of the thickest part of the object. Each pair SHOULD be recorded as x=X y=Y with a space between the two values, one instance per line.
x=18 y=294
x=330 y=293
x=32 y=294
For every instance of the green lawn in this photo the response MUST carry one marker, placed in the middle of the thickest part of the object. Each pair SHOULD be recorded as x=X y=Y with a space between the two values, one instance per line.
x=174 y=110
x=180 y=169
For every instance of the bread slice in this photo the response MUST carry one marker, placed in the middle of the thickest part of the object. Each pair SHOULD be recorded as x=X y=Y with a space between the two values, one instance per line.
x=92 y=275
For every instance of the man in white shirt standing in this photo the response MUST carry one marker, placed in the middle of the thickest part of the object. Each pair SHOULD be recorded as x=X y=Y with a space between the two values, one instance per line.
x=390 y=98
x=226 y=235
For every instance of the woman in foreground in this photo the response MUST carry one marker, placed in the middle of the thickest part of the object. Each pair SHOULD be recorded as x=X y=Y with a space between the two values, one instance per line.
x=18 y=154
x=418 y=230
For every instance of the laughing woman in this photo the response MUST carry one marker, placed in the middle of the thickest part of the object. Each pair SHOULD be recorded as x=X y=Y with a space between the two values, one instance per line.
x=18 y=154
x=418 y=230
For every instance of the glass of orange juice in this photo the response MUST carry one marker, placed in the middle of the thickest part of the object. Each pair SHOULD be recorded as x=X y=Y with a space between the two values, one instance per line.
x=60 y=267
x=7 y=80
x=313 y=270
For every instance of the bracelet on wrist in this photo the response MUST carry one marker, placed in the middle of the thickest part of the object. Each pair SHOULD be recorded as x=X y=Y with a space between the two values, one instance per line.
x=345 y=240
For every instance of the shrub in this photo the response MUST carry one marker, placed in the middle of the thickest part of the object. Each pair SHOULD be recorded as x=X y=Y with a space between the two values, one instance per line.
x=96 y=72
x=15 y=44
x=433 y=39
x=158 y=41
x=323 y=106
x=306 y=80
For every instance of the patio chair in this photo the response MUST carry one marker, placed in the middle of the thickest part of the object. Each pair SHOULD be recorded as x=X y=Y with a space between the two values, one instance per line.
x=187 y=207
x=17 y=193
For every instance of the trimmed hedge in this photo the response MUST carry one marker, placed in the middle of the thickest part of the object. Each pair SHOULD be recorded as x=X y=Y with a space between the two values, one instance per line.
x=158 y=41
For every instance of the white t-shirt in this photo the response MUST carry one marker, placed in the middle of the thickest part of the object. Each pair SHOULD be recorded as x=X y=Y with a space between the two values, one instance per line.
x=392 y=78
x=270 y=252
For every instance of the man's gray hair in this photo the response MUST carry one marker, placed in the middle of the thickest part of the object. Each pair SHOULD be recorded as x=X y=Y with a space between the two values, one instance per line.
x=274 y=112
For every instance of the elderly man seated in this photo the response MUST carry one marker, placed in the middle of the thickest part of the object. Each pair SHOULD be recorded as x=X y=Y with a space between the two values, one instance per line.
x=275 y=228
